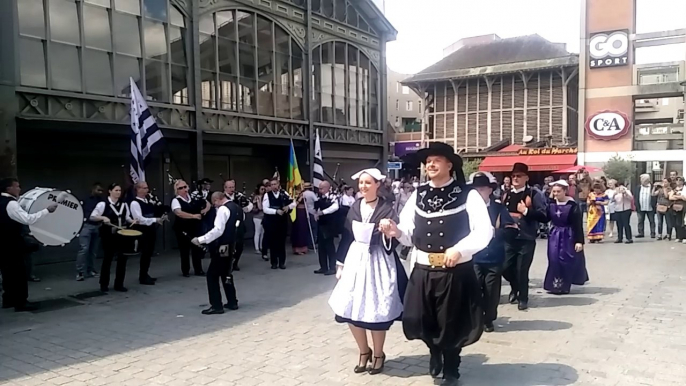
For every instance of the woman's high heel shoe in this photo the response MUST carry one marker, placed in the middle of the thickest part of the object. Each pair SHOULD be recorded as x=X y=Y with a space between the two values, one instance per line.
x=362 y=368
x=373 y=370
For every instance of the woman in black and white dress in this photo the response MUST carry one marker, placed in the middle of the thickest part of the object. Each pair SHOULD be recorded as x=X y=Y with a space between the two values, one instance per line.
x=112 y=211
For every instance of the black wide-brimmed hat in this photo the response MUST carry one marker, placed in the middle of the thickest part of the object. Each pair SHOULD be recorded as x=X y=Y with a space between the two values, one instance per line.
x=520 y=168
x=442 y=149
x=482 y=179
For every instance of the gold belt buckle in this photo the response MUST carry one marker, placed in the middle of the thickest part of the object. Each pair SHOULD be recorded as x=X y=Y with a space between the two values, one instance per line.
x=437 y=259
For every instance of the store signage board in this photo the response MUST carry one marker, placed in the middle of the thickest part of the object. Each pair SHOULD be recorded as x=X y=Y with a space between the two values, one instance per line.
x=395 y=165
x=548 y=151
x=608 y=49
x=608 y=125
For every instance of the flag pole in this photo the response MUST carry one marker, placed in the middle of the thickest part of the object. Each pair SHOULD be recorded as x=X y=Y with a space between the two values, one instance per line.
x=307 y=214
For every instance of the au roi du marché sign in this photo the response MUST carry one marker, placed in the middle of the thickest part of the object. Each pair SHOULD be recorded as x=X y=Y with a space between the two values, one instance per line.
x=548 y=151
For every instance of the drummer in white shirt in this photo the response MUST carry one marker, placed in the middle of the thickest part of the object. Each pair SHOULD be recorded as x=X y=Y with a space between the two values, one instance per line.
x=144 y=213
x=12 y=220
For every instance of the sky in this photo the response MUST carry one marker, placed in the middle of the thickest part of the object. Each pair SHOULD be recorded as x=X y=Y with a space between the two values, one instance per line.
x=426 y=27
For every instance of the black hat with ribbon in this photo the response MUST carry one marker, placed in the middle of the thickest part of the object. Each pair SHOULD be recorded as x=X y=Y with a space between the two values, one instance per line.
x=447 y=151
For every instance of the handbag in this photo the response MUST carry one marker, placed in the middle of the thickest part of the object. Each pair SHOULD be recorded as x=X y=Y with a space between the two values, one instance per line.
x=662 y=208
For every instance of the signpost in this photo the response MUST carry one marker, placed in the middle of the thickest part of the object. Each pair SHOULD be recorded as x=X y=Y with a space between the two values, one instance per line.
x=394 y=165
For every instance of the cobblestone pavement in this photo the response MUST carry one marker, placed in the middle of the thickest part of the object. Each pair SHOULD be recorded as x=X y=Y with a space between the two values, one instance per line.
x=626 y=327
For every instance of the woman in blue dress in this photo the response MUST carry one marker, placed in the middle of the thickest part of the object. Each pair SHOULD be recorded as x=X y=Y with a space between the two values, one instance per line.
x=566 y=261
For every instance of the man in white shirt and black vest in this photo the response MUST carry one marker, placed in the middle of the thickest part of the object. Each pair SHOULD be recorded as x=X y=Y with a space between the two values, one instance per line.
x=326 y=216
x=222 y=242
x=143 y=212
x=528 y=207
x=13 y=218
x=447 y=224
x=276 y=206
x=246 y=206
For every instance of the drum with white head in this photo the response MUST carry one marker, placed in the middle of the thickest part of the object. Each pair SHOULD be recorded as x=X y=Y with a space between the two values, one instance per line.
x=60 y=227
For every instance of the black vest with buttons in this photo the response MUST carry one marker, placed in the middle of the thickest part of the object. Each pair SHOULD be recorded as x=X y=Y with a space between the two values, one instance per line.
x=441 y=218
x=232 y=225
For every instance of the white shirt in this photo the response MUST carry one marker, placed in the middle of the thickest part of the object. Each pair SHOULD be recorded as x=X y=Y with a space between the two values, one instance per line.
x=623 y=201
x=646 y=193
x=334 y=206
x=610 y=193
x=223 y=215
x=310 y=199
x=100 y=209
x=18 y=214
x=175 y=202
x=348 y=200
x=481 y=229
x=137 y=213
x=271 y=211
x=247 y=209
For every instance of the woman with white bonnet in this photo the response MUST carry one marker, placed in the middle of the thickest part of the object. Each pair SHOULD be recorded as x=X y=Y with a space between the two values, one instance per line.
x=566 y=261
x=371 y=279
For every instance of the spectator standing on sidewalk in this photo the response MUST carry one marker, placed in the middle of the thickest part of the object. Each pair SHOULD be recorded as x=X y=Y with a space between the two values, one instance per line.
x=678 y=199
x=89 y=237
x=624 y=205
x=645 y=202
x=663 y=209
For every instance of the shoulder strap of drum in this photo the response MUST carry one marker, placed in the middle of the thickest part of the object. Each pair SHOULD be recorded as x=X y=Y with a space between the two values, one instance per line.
x=497 y=224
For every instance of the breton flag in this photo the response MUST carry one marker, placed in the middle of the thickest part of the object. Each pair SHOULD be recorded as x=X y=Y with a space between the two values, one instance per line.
x=318 y=169
x=144 y=134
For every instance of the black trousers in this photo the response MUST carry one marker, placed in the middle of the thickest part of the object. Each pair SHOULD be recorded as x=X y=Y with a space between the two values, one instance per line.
x=111 y=249
x=641 y=222
x=624 y=225
x=15 y=287
x=667 y=220
x=327 y=251
x=519 y=254
x=187 y=249
x=277 y=227
x=240 y=243
x=264 y=248
x=490 y=279
x=147 y=248
x=220 y=270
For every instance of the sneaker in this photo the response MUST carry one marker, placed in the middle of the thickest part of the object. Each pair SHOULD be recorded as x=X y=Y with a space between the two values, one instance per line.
x=80 y=277
x=94 y=273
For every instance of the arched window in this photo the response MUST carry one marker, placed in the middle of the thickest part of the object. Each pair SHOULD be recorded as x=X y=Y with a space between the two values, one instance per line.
x=250 y=64
x=94 y=47
x=345 y=85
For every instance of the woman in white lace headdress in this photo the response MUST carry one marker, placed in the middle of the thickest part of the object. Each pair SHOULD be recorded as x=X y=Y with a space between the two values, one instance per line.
x=371 y=279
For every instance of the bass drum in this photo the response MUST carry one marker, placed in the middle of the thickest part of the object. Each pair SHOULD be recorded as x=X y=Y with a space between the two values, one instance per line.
x=59 y=228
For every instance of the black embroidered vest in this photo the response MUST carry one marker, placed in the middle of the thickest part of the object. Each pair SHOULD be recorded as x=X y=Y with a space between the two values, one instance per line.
x=441 y=218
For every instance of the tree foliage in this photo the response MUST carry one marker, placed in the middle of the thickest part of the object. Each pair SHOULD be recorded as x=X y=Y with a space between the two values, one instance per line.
x=619 y=169
x=471 y=166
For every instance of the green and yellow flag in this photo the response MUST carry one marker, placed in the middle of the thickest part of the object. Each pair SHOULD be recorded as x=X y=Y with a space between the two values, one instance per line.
x=294 y=179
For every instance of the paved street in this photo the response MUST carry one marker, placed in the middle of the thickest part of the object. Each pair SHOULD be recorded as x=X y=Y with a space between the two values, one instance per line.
x=626 y=327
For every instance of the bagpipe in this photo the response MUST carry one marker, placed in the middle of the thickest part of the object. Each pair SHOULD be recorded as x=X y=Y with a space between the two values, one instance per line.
x=129 y=195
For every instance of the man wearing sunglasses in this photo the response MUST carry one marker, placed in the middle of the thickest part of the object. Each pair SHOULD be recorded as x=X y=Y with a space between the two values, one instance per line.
x=189 y=214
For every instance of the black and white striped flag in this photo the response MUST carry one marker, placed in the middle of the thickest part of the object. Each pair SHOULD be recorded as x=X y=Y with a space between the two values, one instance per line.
x=318 y=169
x=144 y=134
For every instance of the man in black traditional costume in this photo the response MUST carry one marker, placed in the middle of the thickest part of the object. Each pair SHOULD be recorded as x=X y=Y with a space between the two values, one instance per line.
x=447 y=224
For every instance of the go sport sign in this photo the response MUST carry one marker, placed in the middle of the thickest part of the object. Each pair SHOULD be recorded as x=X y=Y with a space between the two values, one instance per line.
x=609 y=49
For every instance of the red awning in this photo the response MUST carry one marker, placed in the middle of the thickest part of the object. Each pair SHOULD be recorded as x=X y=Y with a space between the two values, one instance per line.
x=536 y=163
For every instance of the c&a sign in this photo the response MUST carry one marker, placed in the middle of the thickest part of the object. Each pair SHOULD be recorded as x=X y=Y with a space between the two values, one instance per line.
x=608 y=125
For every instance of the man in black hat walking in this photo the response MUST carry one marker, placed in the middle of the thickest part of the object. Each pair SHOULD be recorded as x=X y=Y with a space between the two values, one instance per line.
x=447 y=224
x=528 y=207
x=488 y=263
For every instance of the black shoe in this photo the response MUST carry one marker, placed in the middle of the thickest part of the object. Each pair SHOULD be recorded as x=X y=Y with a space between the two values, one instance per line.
x=435 y=363
x=359 y=369
x=489 y=327
x=186 y=275
x=330 y=272
x=265 y=258
x=120 y=289
x=639 y=236
x=629 y=242
x=450 y=381
x=212 y=311
x=282 y=266
x=152 y=278
x=231 y=307
x=274 y=266
x=320 y=271
x=7 y=305
x=659 y=238
x=201 y=273
x=147 y=281
x=652 y=236
x=523 y=305
x=512 y=298
x=104 y=289
x=374 y=370
x=618 y=241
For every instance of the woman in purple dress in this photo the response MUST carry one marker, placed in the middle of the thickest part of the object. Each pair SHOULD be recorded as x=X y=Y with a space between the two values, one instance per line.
x=566 y=261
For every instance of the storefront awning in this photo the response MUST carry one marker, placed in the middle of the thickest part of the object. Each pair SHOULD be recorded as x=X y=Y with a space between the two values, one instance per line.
x=536 y=163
